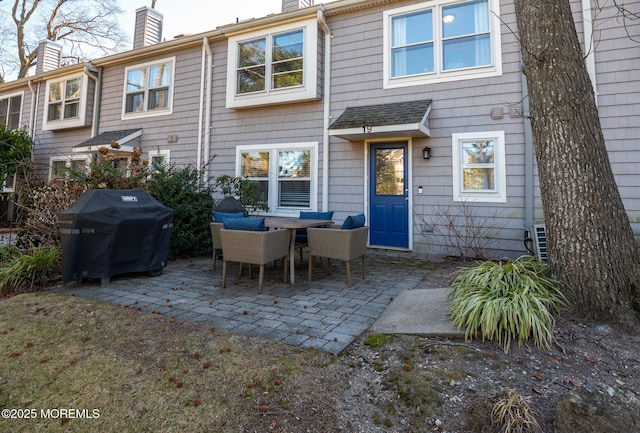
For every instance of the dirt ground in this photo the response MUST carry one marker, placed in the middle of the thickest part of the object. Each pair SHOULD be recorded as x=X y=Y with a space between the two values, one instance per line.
x=421 y=384
x=125 y=362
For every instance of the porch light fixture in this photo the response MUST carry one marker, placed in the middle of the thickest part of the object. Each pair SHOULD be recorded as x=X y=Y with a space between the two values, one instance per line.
x=448 y=19
x=426 y=153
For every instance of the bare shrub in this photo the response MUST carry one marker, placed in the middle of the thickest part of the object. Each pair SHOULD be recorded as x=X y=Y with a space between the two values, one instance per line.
x=463 y=230
x=40 y=208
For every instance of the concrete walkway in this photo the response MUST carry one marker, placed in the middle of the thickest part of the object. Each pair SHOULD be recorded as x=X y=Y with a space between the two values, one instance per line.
x=324 y=314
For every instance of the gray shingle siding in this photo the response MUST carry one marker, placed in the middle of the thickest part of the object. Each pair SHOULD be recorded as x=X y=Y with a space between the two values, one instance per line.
x=357 y=80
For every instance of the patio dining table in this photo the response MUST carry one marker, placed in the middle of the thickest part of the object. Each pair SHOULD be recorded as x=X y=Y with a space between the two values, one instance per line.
x=292 y=224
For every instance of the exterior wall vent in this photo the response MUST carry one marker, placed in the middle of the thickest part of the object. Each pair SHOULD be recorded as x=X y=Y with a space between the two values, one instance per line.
x=540 y=239
x=49 y=56
x=148 y=28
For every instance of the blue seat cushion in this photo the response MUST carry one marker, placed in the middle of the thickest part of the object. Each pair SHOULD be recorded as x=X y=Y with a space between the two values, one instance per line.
x=219 y=217
x=250 y=224
x=301 y=234
x=316 y=215
x=353 y=222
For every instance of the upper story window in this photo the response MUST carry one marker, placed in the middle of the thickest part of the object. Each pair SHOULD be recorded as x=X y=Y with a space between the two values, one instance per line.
x=64 y=99
x=443 y=42
x=10 y=110
x=273 y=67
x=149 y=89
x=66 y=103
x=284 y=67
x=286 y=174
x=479 y=172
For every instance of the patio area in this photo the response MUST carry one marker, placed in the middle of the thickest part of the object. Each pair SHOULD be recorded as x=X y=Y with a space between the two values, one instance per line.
x=324 y=314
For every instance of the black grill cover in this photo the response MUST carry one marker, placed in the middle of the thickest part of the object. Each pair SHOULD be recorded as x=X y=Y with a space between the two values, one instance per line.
x=108 y=232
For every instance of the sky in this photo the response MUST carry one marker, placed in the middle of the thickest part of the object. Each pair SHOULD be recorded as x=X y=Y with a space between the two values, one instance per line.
x=195 y=16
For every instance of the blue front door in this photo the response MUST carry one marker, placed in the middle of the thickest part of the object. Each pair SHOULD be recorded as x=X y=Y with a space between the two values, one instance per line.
x=388 y=191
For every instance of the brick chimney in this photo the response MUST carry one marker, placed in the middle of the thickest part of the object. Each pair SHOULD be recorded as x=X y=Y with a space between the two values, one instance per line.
x=49 y=56
x=148 y=27
x=292 y=5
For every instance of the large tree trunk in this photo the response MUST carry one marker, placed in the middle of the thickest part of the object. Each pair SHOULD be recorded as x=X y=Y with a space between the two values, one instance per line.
x=590 y=241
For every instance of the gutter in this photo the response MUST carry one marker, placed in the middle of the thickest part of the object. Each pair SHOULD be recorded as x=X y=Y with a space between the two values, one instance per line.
x=327 y=108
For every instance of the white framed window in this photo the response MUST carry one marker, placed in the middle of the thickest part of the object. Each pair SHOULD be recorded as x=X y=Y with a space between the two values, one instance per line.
x=148 y=89
x=479 y=167
x=59 y=166
x=273 y=66
x=11 y=110
x=66 y=103
x=287 y=174
x=447 y=40
x=159 y=157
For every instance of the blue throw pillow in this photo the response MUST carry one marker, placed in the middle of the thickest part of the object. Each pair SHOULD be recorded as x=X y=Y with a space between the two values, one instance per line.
x=219 y=217
x=250 y=224
x=301 y=234
x=354 y=222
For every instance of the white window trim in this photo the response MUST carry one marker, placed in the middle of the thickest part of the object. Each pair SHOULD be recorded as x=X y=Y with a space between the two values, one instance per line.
x=309 y=89
x=67 y=160
x=8 y=98
x=272 y=200
x=152 y=113
x=499 y=195
x=51 y=125
x=165 y=153
x=493 y=70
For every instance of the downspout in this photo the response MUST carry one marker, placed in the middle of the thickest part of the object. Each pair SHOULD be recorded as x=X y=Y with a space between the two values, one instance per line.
x=97 y=98
x=208 y=96
x=200 y=106
x=327 y=108
x=34 y=111
x=529 y=161
x=589 y=47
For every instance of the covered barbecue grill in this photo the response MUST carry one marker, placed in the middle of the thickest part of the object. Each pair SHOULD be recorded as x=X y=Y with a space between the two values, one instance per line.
x=110 y=232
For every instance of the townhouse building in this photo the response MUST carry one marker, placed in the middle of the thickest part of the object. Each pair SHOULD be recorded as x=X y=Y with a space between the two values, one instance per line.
x=412 y=112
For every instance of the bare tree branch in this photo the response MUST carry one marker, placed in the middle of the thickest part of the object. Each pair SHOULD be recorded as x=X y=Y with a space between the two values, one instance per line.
x=85 y=29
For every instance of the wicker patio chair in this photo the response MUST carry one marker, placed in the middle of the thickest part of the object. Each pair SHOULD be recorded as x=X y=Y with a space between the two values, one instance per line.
x=336 y=243
x=254 y=248
x=217 y=243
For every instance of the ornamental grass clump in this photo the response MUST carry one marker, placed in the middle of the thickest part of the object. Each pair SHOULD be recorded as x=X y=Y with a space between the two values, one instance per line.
x=505 y=301
x=36 y=268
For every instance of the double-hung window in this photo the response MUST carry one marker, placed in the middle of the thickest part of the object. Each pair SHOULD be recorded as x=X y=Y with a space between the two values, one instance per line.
x=66 y=102
x=149 y=88
x=479 y=172
x=274 y=66
x=448 y=40
x=285 y=63
x=286 y=174
x=10 y=109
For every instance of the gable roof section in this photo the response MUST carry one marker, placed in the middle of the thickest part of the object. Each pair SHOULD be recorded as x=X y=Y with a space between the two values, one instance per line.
x=105 y=139
x=408 y=119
